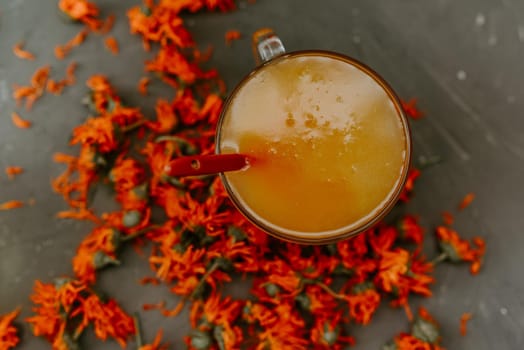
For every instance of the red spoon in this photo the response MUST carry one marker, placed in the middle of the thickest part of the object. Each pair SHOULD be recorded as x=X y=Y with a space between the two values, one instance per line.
x=206 y=164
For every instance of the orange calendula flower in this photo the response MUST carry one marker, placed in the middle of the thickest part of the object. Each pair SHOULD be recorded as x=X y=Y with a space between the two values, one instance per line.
x=166 y=118
x=12 y=171
x=95 y=252
x=11 y=205
x=401 y=273
x=410 y=230
x=126 y=174
x=191 y=113
x=107 y=319
x=215 y=317
x=174 y=65
x=363 y=302
x=8 y=332
x=48 y=320
x=392 y=266
x=97 y=132
x=83 y=11
x=171 y=265
x=232 y=35
x=281 y=326
x=327 y=334
x=21 y=53
x=466 y=201
x=19 y=122
x=283 y=276
x=456 y=249
x=112 y=45
x=424 y=335
x=74 y=183
x=161 y=22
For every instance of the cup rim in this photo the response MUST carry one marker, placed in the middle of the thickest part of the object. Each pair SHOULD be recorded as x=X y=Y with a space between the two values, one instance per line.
x=355 y=228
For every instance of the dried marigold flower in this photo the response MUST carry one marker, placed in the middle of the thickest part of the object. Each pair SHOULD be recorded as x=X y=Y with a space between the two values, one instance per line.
x=8 y=332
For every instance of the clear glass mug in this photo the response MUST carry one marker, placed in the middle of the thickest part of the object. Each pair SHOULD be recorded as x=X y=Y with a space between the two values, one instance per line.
x=269 y=51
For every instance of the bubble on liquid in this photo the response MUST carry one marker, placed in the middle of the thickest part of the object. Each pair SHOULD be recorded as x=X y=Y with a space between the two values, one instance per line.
x=311 y=121
x=290 y=120
x=317 y=77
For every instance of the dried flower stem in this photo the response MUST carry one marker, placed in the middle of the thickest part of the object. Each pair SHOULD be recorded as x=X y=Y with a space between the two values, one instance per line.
x=440 y=258
x=138 y=330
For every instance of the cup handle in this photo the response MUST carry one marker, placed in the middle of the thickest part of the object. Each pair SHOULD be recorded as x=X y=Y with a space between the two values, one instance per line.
x=266 y=45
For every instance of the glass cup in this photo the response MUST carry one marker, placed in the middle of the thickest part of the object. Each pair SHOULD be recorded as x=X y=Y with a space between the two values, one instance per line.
x=270 y=55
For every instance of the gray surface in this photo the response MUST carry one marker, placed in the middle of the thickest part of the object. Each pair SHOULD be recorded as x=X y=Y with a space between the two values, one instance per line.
x=475 y=124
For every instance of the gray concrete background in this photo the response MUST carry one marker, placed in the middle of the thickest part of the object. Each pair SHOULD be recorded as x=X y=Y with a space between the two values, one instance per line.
x=423 y=48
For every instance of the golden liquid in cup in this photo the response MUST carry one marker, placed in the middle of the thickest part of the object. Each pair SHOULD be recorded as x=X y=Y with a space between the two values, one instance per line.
x=329 y=145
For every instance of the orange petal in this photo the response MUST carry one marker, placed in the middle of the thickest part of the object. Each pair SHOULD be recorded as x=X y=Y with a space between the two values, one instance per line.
x=19 y=122
x=466 y=201
x=111 y=44
x=12 y=171
x=142 y=85
x=232 y=35
x=21 y=53
x=11 y=205
x=463 y=323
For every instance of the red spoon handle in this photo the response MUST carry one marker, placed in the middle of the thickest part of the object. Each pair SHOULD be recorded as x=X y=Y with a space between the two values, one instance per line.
x=206 y=164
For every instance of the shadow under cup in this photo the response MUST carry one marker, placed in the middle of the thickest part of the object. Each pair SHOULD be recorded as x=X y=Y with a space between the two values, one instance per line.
x=299 y=82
